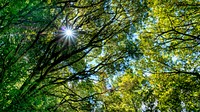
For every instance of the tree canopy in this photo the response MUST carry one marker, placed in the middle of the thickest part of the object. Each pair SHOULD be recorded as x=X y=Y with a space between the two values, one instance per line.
x=99 y=55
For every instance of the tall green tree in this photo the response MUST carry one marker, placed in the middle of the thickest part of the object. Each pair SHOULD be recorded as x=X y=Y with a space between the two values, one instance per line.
x=170 y=43
x=43 y=69
x=166 y=76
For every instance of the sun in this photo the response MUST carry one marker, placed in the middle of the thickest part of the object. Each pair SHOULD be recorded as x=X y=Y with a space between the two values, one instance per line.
x=68 y=34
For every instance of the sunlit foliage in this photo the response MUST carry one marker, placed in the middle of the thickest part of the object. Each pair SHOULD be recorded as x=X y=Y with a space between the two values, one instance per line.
x=99 y=55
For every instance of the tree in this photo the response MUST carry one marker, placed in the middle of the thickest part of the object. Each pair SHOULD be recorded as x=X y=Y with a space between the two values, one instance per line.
x=115 y=56
x=170 y=44
x=166 y=76
x=41 y=70
x=126 y=94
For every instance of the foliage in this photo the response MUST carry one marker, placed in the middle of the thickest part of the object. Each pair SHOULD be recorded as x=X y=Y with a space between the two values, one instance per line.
x=41 y=70
x=170 y=43
x=139 y=55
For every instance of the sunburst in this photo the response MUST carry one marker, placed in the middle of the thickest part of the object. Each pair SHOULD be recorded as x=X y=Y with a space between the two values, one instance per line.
x=68 y=34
